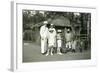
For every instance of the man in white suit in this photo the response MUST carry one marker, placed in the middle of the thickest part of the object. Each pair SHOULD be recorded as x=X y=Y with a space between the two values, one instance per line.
x=44 y=34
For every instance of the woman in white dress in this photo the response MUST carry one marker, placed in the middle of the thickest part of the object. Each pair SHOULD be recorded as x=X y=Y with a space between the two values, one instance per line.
x=51 y=39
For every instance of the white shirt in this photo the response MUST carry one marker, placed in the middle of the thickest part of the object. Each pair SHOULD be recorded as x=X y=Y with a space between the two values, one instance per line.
x=59 y=36
x=43 y=31
x=52 y=36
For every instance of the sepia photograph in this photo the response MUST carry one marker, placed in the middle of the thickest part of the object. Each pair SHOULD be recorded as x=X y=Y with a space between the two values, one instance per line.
x=55 y=36
x=49 y=36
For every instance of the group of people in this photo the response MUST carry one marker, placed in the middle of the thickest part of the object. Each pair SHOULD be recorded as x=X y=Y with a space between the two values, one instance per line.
x=52 y=38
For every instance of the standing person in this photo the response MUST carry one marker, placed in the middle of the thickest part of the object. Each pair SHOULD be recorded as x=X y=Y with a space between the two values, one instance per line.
x=59 y=42
x=74 y=44
x=68 y=37
x=51 y=40
x=44 y=34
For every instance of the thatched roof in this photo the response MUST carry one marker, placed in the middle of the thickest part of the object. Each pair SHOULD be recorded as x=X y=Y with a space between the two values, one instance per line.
x=61 y=21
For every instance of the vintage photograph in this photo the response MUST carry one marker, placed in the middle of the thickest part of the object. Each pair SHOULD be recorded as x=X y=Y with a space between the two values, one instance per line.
x=55 y=36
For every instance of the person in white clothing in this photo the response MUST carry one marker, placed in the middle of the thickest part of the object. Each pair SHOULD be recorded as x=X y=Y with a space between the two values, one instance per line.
x=68 y=37
x=74 y=44
x=59 y=42
x=51 y=39
x=44 y=34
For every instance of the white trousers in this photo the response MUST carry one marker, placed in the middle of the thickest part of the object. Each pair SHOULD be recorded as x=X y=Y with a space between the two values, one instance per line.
x=59 y=43
x=43 y=45
x=68 y=45
x=74 y=45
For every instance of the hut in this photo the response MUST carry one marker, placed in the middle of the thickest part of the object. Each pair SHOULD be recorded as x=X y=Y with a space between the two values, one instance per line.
x=61 y=22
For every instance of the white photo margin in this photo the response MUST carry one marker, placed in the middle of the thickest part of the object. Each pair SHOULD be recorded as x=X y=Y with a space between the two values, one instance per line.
x=16 y=59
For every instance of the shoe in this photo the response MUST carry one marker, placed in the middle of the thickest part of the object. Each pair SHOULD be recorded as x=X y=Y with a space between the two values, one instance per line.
x=44 y=53
x=80 y=50
x=47 y=54
x=59 y=53
x=51 y=54
x=73 y=51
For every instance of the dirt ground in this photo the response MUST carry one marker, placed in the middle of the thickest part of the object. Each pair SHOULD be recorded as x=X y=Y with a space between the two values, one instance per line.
x=31 y=53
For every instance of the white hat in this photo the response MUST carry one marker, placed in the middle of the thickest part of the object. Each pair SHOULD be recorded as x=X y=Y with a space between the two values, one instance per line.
x=58 y=30
x=45 y=22
x=52 y=24
x=51 y=29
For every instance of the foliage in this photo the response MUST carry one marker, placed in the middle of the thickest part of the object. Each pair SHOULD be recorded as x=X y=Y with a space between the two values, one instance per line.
x=33 y=18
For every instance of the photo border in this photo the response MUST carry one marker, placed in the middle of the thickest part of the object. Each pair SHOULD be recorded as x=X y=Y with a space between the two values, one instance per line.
x=16 y=51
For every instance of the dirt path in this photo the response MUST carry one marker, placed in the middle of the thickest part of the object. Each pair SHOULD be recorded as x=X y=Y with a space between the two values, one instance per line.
x=31 y=53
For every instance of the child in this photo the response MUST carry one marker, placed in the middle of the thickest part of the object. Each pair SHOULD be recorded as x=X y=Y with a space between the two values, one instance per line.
x=74 y=44
x=59 y=42
x=68 y=37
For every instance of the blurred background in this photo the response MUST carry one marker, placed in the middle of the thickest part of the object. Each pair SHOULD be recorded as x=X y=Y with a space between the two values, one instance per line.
x=80 y=23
